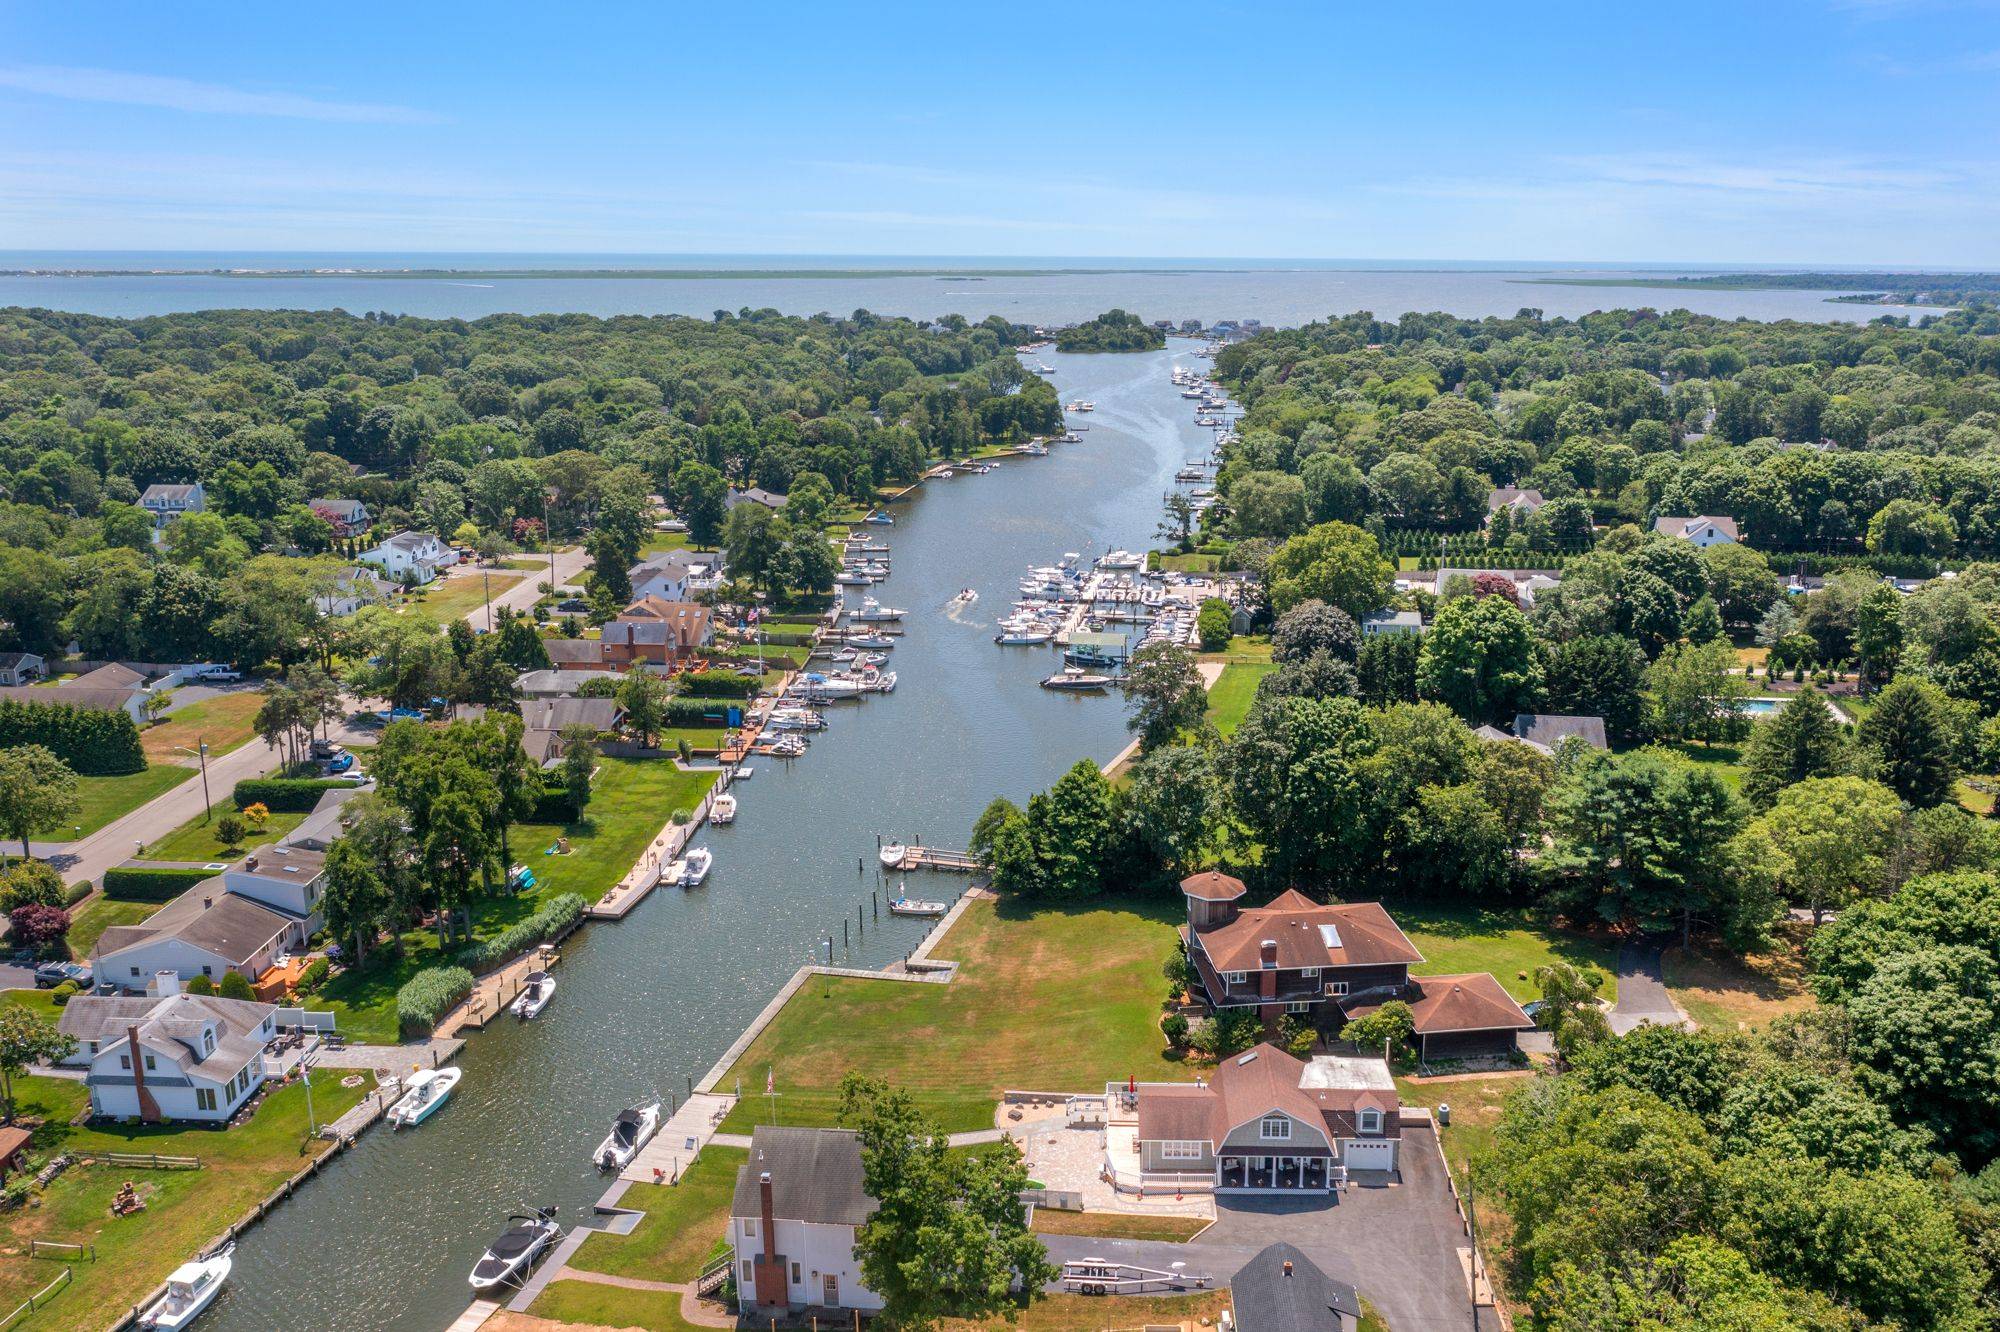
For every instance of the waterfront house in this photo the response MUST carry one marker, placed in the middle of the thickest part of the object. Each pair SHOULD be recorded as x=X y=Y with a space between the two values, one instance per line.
x=561 y=682
x=1520 y=503
x=19 y=668
x=576 y=654
x=798 y=1202
x=1329 y=963
x=1268 y=1122
x=347 y=517
x=1704 y=530
x=168 y=502
x=268 y=903
x=543 y=721
x=1282 y=1290
x=289 y=878
x=770 y=499
x=166 y=1055
x=663 y=576
x=353 y=587
x=663 y=633
x=411 y=558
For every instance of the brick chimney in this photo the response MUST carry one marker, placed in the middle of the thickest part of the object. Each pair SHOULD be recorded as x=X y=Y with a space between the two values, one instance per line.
x=149 y=1109
x=1269 y=1009
x=1288 y=1267
x=773 y=1291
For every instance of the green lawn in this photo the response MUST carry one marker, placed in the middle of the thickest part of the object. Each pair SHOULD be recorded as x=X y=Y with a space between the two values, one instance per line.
x=1119 y=1225
x=41 y=1003
x=587 y=1304
x=185 y=1209
x=108 y=799
x=701 y=737
x=224 y=722
x=1046 y=998
x=1192 y=563
x=196 y=839
x=632 y=798
x=683 y=1226
x=1723 y=760
x=451 y=599
x=1510 y=944
x=99 y=915
x=1229 y=701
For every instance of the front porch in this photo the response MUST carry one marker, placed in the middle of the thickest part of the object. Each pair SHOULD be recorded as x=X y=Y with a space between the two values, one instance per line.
x=1260 y=1173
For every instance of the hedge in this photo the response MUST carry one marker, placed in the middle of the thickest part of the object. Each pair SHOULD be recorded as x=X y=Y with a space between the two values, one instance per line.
x=283 y=795
x=140 y=884
x=696 y=711
x=552 y=806
x=76 y=892
x=782 y=638
x=718 y=684
x=427 y=996
x=96 y=744
x=555 y=916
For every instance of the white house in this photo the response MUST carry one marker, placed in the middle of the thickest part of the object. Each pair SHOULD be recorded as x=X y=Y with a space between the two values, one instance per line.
x=167 y=1055
x=1704 y=530
x=290 y=879
x=663 y=576
x=346 y=516
x=411 y=557
x=353 y=587
x=792 y=1222
x=1392 y=622
x=236 y=921
x=168 y=502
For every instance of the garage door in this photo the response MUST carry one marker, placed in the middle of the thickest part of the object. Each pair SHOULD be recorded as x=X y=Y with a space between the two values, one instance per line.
x=1370 y=1155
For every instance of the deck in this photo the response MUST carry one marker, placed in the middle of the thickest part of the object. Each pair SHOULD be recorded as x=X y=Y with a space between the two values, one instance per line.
x=680 y=1139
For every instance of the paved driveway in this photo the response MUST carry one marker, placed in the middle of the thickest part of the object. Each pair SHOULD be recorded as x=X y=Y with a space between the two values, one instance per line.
x=1642 y=990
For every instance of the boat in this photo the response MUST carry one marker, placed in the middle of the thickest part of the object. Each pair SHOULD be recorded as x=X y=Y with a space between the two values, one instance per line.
x=905 y=905
x=852 y=579
x=632 y=1129
x=722 y=809
x=1120 y=559
x=785 y=746
x=873 y=612
x=422 y=1095
x=1075 y=678
x=508 y=1258
x=1032 y=449
x=191 y=1287
x=872 y=641
x=699 y=862
x=879 y=519
x=1023 y=634
x=966 y=596
x=893 y=854
x=1089 y=656
x=536 y=991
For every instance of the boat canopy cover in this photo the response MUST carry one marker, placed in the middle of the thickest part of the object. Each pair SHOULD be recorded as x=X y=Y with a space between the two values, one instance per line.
x=516 y=1240
x=626 y=1129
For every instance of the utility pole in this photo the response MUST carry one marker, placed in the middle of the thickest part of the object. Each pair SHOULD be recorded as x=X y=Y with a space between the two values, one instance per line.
x=200 y=751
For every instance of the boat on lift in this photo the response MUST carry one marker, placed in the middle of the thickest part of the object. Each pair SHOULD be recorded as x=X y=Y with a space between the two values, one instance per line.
x=874 y=642
x=893 y=854
x=1076 y=680
x=873 y=612
x=508 y=1258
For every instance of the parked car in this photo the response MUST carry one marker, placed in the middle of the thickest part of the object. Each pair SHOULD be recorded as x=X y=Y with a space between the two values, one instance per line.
x=215 y=675
x=326 y=749
x=574 y=606
x=339 y=764
x=51 y=974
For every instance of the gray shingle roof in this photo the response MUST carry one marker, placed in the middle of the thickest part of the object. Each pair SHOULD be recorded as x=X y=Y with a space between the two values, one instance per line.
x=1546 y=728
x=1267 y=1299
x=815 y=1176
x=208 y=917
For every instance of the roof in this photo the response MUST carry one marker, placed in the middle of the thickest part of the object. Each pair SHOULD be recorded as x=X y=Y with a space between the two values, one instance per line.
x=206 y=916
x=111 y=675
x=1513 y=495
x=1213 y=886
x=70 y=695
x=1473 y=1001
x=282 y=864
x=340 y=506
x=673 y=566
x=1355 y=934
x=1346 y=1073
x=169 y=493
x=1545 y=730
x=1685 y=526
x=554 y=682
x=1282 y=1290
x=570 y=651
x=411 y=541
x=13 y=1139
x=173 y=1020
x=815 y=1176
x=319 y=828
x=11 y=660
x=553 y=714
x=770 y=499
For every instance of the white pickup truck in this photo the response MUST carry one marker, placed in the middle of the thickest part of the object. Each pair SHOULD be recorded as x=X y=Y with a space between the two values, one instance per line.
x=213 y=674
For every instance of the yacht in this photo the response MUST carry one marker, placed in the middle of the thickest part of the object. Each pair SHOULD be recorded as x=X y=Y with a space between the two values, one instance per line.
x=879 y=518
x=632 y=1129
x=1023 y=635
x=1042 y=369
x=873 y=612
x=1120 y=559
x=788 y=747
x=873 y=642
x=722 y=809
x=1075 y=678
x=1032 y=449
x=508 y=1258
x=191 y=1287
x=699 y=862
x=536 y=991
x=853 y=578
x=423 y=1094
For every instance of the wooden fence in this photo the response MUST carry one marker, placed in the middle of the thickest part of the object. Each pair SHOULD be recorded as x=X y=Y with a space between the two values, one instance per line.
x=39 y=1298
x=151 y=1161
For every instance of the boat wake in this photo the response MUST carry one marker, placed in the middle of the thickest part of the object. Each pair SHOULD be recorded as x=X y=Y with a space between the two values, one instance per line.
x=955 y=610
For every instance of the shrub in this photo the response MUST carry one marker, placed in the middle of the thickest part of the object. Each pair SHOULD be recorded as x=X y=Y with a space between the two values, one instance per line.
x=555 y=916
x=200 y=985
x=1175 y=1029
x=256 y=814
x=38 y=925
x=236 y=985
x=76 y=892
x=292 y=795
x=315 y=975
x=695 y=712
x=25 y=881
x=1213 y=624
x=63 y=993
x=95 y=744
x=230 y=829
x=718 y=684
x=427 y=996
x=135 y=884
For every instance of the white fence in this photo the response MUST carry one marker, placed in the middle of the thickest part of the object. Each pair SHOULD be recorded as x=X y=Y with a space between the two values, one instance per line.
x=299 y=1019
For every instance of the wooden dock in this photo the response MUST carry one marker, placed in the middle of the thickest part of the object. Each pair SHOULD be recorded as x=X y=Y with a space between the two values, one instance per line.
x=936 y=858
x=680 y=1139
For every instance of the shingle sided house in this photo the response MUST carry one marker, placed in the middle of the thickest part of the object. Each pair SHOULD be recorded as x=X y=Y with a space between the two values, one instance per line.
x=1519 y=502
x=1704 y=530
x=168 y=502
x=798 y=1202
x=411 y=557
x=167 y=1055
x=657 y=631
x=240 y=920
x=347 y=517
x=1331 y=963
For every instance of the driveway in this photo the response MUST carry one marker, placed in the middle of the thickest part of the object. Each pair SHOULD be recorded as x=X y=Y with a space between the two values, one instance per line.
x=523 y=595
x=1642 y=990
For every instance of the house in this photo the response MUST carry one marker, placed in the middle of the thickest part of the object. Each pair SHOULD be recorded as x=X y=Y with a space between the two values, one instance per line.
x=753 y=495
x=576 y=654
x=347 y=517
x=168 y=502
x=1528 y=583
x=1330 y=963
x=290 y=878
x=19 y=668
x=661 y=632
x=792 y=1220
x=543 y=721
x=1546 y=730
x=239 y=920
x=675 y=577
x=111 y=675
x=1268 y=1122
x=168 y=1055
x=563 y=682
x=411 y=558
x=1704 y=530
x=353 y=587
x=1392 y=622
x=1519 y=503
x=1282 y=1290
x=70 y=693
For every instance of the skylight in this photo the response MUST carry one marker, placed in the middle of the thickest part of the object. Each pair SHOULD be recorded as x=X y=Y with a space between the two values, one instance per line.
x=1330 y=936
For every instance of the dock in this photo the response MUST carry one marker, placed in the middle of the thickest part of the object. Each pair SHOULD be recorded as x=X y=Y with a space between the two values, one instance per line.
x=936 y=858
x=680 y=1139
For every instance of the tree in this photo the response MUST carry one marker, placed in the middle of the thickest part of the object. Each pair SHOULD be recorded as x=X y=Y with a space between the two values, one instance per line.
x=643 y=696
x=1385 y=669
x=230 y=829
x=25 y=881
x=1878 y=635
x=751 y=540
x=1803 y=740
x=372 y=873
x=1835 y=836
x=1390 y=1029
x=1267 y=504
x=1334 y=562
x=1073 y=826
x=1911 y=527
x=37 y=793
x=1291 y=774
x=579 y=761
x=1212 y=624
x=1174 y=806
x=1479 y=659
x=235 y=985
x=1703 y=622
x=700 y=498
x=1570 y=1012
x=1915 y=1006
x=1596 y=675
x=1740 y=580
x=1164 y=689
x=1905 y=742
x=1177 y=520
x=1696 y=694
x=1452 y=841
x=1313 y=627
x=26 y=1038
x=39 y=926
x=1005 y=848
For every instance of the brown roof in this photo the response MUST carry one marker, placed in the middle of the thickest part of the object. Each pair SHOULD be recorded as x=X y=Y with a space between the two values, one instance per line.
x=1261 y=1079
x=1250 y=1085
x=1361 y=934
x=1471 y=1002
x=1213 y=886
x=574 y=651
x=12 y=1140
x=1175 y=1114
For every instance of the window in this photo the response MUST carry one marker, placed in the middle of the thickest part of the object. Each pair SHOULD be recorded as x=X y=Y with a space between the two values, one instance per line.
x=149 y=1063
x=1336 y=987
x=1275 y=1128
x=795 y=1274
x=204 y=1098
x=135 y=971
x=1368 y=1121
x=208 y=1040
x=1183 y=1151
x=747 y=1278
x=90 y=1047
x=125 y=1061
x=1299 y=1006
x=1232 y=977
x=1310 y=973
x=750 y=1229
x=208 y=972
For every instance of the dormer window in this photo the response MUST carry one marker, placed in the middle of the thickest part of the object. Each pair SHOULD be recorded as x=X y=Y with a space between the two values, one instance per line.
x=1368 y=1121
x=208 y=1040
x=1275 y=1128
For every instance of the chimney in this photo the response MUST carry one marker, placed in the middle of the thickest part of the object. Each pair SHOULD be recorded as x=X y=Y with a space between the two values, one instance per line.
x=149 y=1109
x=250 y=863
x=770 y=1217
x=1288 y=1267
x=206 y=901
x=165 y=984
x=1267 y=953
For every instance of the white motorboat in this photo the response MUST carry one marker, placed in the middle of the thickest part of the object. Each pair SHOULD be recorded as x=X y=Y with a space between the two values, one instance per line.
x=1022 y=635
x=699 y=862
x=942 y=474
x=423 y=1095
x=785 y=746
x=536 y=991
x=853 y=580
x=874 y=642
x=508 y=1258
x=892 y=853
x=1120 y=559
x=882 y=682
x=722 y=809
x=191 y=1287
x=916 y=906
x=1075 y=678
x=965 y=597
x=1032 y=449
x=632 y=1129
x=874 y=612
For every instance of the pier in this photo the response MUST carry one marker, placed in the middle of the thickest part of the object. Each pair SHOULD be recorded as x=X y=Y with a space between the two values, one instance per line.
x=936 y=858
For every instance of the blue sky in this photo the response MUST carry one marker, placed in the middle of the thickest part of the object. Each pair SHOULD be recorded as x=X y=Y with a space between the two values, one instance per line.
x=1773 y=131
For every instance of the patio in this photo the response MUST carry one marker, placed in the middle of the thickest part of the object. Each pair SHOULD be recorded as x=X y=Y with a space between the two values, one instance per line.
x=1074 y=1161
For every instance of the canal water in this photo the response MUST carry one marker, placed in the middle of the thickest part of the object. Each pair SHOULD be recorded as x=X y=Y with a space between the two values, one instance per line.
x=384 y=1237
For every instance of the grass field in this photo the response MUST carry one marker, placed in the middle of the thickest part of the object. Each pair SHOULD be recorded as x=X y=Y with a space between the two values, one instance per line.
x=105 y=800
x=1229 y=701
x=196 y=840
x=1724 y=992
x=1724 y=760
x=225 y=721
x=450 y=599
x=1118 y=1225
x=1192 y=563
x=185 y=1209
x=588 y=1304
x=683 y=1226
x=1510 y=944
x=630 y=801
x=41 y=1003
x=1045 y=998
x=99 y=915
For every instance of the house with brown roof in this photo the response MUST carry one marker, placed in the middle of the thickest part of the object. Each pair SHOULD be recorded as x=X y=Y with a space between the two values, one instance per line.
x=575 y=654
x=663 y=633
x=1328 y=963
x=1269 y=1123
x=543 y=720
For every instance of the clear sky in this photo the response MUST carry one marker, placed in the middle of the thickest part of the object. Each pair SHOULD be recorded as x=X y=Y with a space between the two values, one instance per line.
x=1757 y=131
